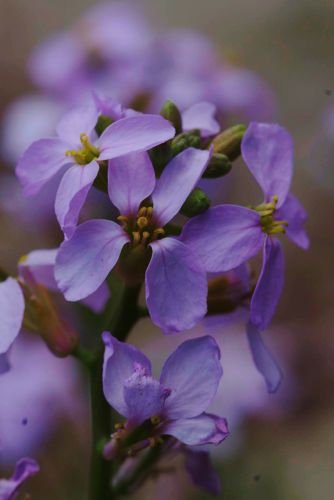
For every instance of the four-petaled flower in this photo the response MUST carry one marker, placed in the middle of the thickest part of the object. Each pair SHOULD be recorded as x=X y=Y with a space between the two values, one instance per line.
x=176 y=404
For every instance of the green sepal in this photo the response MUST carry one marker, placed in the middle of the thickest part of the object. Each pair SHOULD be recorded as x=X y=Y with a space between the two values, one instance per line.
x=196 y=203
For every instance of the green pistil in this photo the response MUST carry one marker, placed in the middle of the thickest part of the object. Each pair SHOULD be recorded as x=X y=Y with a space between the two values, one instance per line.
x=268 y=224
x=85 y=155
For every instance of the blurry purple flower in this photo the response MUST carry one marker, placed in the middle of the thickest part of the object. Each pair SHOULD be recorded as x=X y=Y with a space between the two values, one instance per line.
x=78 y=148
x=200 y=469
x=176 y=284
x=24 y=469
x=201 y=116
x=177 y=402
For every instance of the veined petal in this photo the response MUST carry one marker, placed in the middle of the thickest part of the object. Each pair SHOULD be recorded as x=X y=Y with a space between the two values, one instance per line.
x=263 y=359
x=11 y=312
x=131 y=179
x=84 y=261
x=25 y=468
x=192 y=373
x=201 y=471
x=72 y=193
x=269 y=286
x=176 y=286
x=176 y=182
x=77 y=121
x=39 y=265
x=204 y=429
x=40 y=162
x=136 y=133
x=267 y=150
x=294 y=212
x=224 y=236
x=201 y=116
x=120 y=362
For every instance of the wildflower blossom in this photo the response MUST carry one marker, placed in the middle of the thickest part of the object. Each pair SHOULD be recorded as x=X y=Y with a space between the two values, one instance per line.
x=25 y=468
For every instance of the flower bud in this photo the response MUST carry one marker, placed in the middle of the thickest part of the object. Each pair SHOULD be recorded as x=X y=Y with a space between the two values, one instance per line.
x=103 y=122
x=171 y=112
x=186 y=140
x=228 y=142
x=196 y=203
x=219 y=165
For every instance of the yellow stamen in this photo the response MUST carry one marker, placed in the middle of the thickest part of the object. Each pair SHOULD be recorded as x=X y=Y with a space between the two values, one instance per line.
x=142 y=222
x=155 y=420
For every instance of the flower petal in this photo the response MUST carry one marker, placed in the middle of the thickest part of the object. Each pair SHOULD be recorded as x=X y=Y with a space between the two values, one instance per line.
x=11 y=312
x=84 y=261
x=38 y=266
x=192 y=389
x=204 y=429
x=72 y=193
x=224 y=236
x=201 y=116
x=263 y=359
x=77 y=121
x=4 y=363
x=40 y=162
x=120 y=361
x=176 y=286
x=294 y=212
x=201 y=471
x=269 y=286
x=267 y=150
x=184 y=171
x=131 y=179
x=136 y=133
x=24 y=469
x=98 y=299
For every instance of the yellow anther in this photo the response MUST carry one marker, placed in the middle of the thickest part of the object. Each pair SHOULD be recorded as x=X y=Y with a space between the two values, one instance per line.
x=145 y=237
x=136 y=237
x=84 y=138
x=142 y=211
x=142 y=222
x=158 y=232
x=118 y=426
x=155 y=420
x=149 y=211
x=23 y=259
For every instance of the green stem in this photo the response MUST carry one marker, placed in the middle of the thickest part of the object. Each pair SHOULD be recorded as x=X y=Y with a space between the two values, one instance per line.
x=124 y=314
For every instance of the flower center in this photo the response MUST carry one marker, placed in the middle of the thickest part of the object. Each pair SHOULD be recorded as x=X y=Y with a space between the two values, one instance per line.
x=267 y=218
x=85 y=155
x=142 y=229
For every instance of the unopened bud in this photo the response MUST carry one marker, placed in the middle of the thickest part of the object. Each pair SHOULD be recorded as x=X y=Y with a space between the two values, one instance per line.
x=186 y=140
x=228 y=142
x=171 y=112
x=196 y=203
x=103 y=122
x=219 y=165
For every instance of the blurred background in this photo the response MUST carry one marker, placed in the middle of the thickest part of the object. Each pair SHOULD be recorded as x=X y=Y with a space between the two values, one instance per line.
x=283 y=446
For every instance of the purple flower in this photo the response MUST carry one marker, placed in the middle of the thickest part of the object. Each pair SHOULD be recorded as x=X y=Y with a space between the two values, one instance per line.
x=24 y=469
x=203 y=475
x=176 y=404
x=78 y=147
x=176 y=284
x=201 y=116
x=233 y=234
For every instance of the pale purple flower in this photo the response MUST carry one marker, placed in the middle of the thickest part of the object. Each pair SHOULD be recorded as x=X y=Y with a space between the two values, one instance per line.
x=201 y=116
x=24 y=469
x=176 y=284
x=233 y=234
x=178 y=401
x=200 y=469
x=78 y=148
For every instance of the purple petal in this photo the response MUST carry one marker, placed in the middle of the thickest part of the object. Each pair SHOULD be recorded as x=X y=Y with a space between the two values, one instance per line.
x=204 y=429
x=4 y=364
x=192 y=373
x=24 y=469
x=131 y=179
x=120 y=362
x=38 y=266
x=201 y=471
x=269 y=286
x=40 y=162
x=263 y=359
x=136 y=133
x=201 y=116
x=267 y=150
x=81 y=120
x=72 y=193
x=143 y=395
x=224 y=236
x=11 y=312
x=293 y=212
x=98 y=299
x=184 y=171
x=84 y=261
x=176 y=286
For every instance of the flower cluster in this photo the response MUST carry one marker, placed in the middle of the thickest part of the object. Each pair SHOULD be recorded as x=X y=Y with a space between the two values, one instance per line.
x=160 y=231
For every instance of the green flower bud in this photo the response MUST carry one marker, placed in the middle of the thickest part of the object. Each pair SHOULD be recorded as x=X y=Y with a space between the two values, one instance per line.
x=196 y=203
x=103 y=122
x=228 y=142
x=186 y=140
x=218 y=166
x=171 y=112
